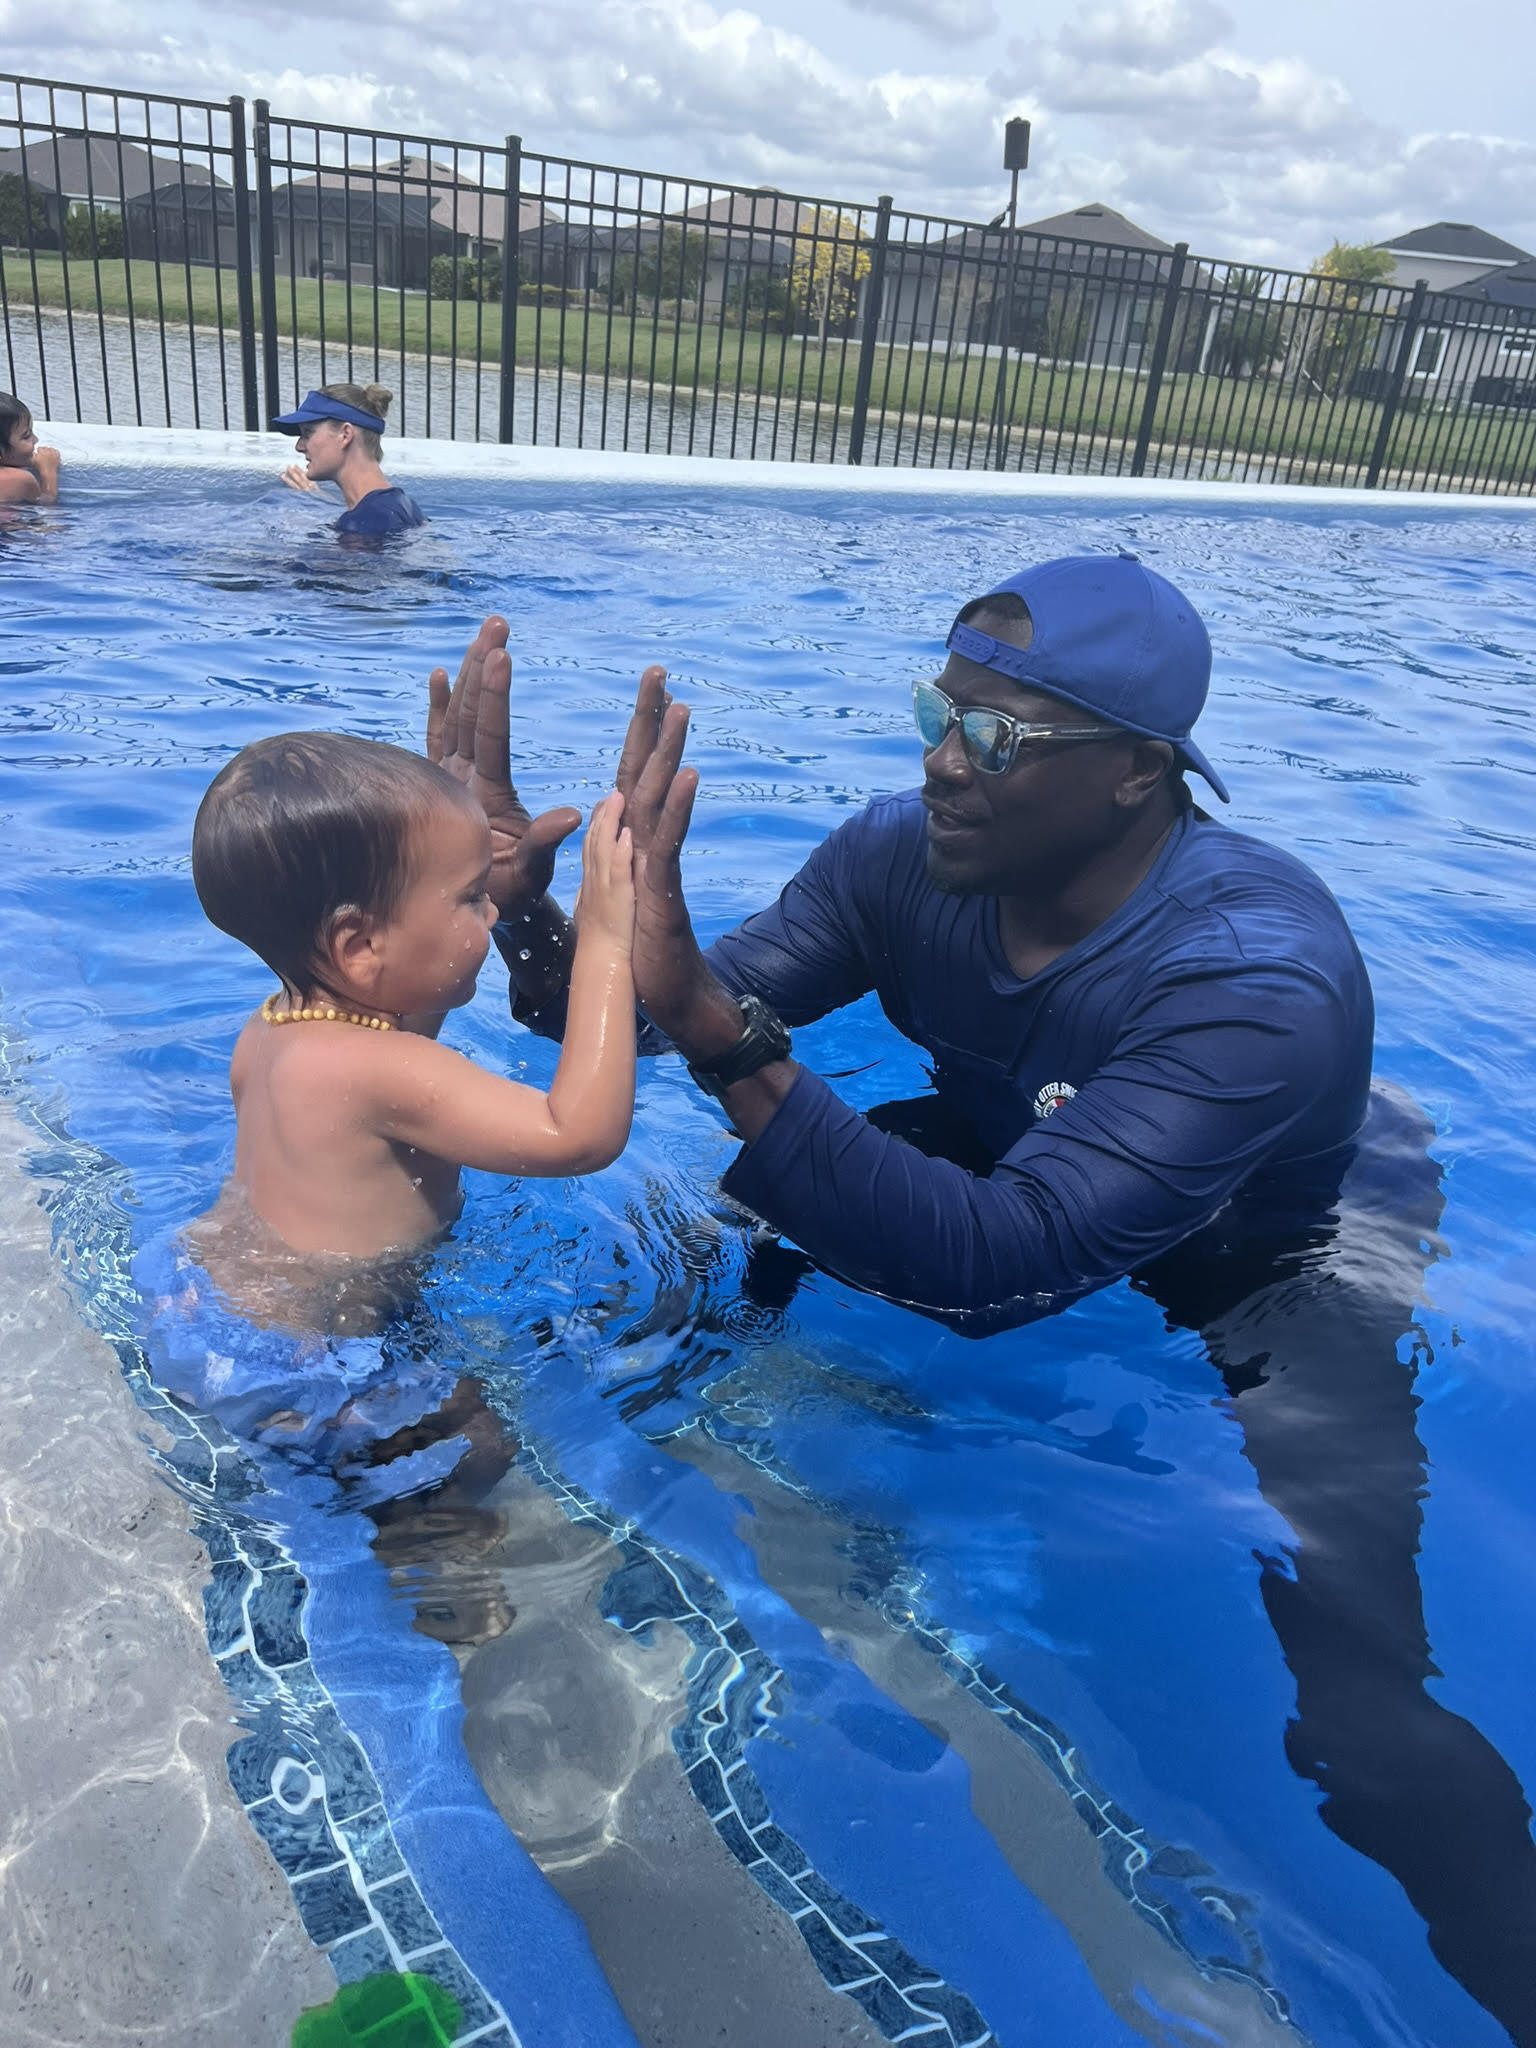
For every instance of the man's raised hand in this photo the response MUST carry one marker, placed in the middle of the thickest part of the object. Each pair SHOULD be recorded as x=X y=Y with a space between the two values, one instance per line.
x=467 y=734
x=675 y=988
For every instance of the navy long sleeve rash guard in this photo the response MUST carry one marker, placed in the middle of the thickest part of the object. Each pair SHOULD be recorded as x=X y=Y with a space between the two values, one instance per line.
x=1206 y=1049
x=382 y=512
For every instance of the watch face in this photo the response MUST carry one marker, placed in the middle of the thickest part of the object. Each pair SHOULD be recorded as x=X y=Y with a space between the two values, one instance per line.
x=764 y=1039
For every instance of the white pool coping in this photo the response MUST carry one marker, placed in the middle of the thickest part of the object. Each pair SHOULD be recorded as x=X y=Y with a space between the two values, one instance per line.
x=264 y=454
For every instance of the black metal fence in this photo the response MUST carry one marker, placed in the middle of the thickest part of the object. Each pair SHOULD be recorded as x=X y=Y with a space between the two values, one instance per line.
x=170 y=261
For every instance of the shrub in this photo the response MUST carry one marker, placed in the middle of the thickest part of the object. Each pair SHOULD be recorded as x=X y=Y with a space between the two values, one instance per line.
x=23 y=214
x=85 y=235
x=465 y=277
x=669 y=266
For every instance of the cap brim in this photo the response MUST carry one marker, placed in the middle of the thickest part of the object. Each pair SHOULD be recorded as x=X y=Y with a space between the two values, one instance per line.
x=291 y=422
x=1192 y=757
x=1185 y=750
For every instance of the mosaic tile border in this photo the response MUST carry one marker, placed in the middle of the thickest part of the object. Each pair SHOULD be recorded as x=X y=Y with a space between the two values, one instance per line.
x=301 y=1777
x=731 y=1685
x=1134 y=1860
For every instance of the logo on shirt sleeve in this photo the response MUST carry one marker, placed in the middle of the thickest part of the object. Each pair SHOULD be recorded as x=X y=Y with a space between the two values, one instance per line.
x=1052 y=1096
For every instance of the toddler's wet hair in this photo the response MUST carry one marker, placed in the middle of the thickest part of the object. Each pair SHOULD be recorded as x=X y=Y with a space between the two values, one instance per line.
x=12 y=415
x=303 y=826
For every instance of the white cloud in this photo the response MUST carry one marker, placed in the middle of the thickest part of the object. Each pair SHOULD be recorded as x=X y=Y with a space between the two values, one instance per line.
x=1151 y=106
x=1149 y=35
x=950 y=21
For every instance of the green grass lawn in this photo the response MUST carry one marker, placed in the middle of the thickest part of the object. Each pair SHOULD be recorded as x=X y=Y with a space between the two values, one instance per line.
x=1054 y=410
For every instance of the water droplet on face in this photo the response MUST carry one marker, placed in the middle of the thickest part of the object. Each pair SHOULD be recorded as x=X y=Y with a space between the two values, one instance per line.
x=523 y=953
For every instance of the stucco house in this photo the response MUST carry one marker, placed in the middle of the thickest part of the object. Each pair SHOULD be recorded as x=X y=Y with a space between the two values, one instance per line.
x=103 y=172
x=1480 y=342
x=383 y=224
x=373 y=224
x=1083 y=286
x=1476 y=341
x=739 y=237
x=1449 y=253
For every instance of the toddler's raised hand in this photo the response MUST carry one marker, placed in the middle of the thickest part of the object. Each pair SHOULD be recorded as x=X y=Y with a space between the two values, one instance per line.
x=607 y=898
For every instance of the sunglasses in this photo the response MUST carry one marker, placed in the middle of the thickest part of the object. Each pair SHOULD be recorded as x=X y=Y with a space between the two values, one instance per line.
x=991 y=739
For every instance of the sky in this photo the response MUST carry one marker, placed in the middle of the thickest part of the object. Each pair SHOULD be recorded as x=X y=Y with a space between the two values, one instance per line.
x=1248 y=129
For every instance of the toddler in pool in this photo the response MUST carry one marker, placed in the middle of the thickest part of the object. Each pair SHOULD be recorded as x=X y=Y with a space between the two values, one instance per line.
x=358 y=872
x=29 y=472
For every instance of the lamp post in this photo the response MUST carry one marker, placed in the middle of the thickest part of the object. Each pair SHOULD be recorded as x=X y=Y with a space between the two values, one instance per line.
x=1015 y=159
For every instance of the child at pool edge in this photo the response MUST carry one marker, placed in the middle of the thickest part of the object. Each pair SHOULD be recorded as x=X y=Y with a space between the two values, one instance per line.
x=358 y=872
x=29 y=472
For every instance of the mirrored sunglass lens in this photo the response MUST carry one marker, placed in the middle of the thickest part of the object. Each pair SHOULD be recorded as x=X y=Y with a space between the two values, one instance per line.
x=986 y=738
x=931 y=709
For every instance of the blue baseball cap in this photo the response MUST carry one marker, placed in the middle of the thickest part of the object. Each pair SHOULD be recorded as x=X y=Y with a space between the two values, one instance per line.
x=1112 y=638
x=317 y=406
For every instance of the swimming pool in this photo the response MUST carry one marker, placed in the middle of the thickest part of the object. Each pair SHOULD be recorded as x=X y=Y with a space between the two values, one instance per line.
x=846 y=1679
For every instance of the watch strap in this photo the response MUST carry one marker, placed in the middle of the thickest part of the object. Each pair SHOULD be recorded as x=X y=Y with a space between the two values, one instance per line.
x=764 y=1039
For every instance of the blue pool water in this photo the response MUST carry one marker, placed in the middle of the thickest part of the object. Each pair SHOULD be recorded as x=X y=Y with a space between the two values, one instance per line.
x=984 y=1628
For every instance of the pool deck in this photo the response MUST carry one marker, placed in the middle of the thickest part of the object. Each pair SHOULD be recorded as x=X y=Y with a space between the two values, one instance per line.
x=265 y=454
x=137 y=1905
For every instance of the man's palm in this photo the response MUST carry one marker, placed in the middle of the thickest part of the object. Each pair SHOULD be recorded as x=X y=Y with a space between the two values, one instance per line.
x=468 y=729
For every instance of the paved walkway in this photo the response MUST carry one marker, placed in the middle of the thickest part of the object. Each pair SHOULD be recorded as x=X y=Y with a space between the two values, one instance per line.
x=138 y=1908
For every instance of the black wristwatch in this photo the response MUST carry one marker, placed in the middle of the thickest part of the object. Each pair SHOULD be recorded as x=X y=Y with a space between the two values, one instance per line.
x=764 y=1039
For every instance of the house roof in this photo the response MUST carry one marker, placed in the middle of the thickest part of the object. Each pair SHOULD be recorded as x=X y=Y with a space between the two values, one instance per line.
x=1455 y=238
x=456 y=203
x=1511 y=285
x=765 y=209
x=1097 y=223
x=101 y=167
x=167 y=201
x=1089 y=242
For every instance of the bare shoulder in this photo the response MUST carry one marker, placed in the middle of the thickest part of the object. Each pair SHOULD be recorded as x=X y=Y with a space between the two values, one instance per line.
x=364 y=1065
x=334 y=1076
x=19 y=487
x=243 y=1058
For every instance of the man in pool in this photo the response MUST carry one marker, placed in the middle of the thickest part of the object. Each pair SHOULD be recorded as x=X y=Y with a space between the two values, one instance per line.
x=1141 y=1023
x=1151 y=1042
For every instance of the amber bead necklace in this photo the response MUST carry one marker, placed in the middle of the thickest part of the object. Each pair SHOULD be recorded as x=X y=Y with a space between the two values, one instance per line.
x=321 y=1014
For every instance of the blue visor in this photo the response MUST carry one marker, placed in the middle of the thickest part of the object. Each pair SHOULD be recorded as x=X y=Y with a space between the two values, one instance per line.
x=318 y=407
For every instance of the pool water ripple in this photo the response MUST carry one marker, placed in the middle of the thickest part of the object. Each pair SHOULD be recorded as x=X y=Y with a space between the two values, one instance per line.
x=1067 y=1511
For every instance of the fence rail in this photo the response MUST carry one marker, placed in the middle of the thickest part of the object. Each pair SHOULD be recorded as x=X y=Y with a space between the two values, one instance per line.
x=170 y=261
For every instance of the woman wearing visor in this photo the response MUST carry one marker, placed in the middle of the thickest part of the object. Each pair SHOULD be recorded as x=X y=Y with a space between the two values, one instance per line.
x=338 y=428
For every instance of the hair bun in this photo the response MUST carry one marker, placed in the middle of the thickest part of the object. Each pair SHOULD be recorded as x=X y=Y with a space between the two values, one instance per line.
x=378 y=397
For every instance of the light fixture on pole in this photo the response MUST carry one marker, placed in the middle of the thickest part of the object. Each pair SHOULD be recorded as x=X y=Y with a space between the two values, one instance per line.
x=1015 y=159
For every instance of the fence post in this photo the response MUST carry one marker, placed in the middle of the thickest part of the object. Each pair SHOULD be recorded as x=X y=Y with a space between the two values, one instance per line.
x=243 y=254
x=1159 y=358
x=869 y=329
x=266 y=259
x=1002 y=409
x=510 y=228
x=1390 y=402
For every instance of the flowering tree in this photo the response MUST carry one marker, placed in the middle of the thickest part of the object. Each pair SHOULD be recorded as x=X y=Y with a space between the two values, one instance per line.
x=830 y=262
x=1337 y=333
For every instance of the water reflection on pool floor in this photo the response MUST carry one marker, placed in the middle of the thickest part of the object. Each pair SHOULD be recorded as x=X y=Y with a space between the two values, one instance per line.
x=846 y=1679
